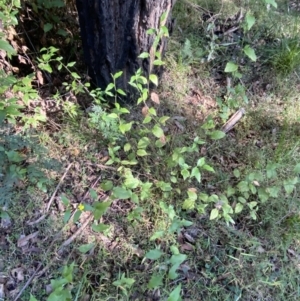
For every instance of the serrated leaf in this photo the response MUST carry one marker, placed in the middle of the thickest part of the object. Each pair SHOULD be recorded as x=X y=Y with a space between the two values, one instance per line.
x=71 y=64
x=143 y=142
x=157 y=234
x=250 y=53
x=118 y=74
x=144 y=55
x=157 y=131
x=121 y=92
x=125 y=127
x=214 y=214
x=127 y=147
x=238 y=208
x=107 y=185
x=201 y=162
x=147 y=119
x=208 y=168
x=272 y=2
x=86 y=247
x=141 y=152
x=121 y=193
x=250 y=20
x=297 y=168
x=154 y=254
x=47 y=27
x=155 y=281
x=100 y=227
x=154 y=79
x=175 y=294
x=185 y=173
x=196 y=173
x=67 y=216
x=231 y=67
x=4 y=45
x=217 y=135
x=188 y=204
x=99 y=208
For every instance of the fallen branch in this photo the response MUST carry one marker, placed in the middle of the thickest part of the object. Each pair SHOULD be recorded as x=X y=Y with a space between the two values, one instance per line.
x=57 y=187
x=229 y=125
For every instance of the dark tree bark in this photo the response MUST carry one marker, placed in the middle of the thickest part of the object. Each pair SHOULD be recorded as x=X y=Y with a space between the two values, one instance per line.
x=114 y=34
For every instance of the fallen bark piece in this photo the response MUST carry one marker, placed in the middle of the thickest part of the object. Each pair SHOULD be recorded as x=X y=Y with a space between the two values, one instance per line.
x=229 y=125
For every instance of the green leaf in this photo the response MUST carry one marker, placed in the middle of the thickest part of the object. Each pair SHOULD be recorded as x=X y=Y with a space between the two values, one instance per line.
x=272 y=2
x=144 y=55
x=86 y=247
x=67 y=216
x=143 y=142
x=155 y=281
x=121 y=193
x=188 y=204
x=196 y=173
x=107 y=185
x=118 y=74
x=250 y=53
x=32 y=298
x=100 y=227
x=289 y=185
x=250 y=20
x=157 y=131
x=125 y=127
x=4 y=45
x=185 y=173
x=100 y=208
x=214 y=214
x=141 y=153
x=238 y=208
x=147 y=119
x=243 y=186
x=154 y=254
x=127 y=147
x=236 y=173
x=47 y=27
x=121 y=92
x=201 y=162
x=158 y=63
x=157 y=234
x=71 y=64
x=153 y=78
x=231 y=67
x=297 y=168
x=76 y=216
x=208 y=168
x=217 y=135
x=175 y=294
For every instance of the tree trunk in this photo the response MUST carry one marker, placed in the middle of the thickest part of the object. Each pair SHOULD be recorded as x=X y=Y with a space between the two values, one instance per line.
x=114 y=34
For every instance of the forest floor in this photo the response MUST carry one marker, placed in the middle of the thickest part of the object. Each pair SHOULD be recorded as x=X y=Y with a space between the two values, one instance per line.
x=257 y=258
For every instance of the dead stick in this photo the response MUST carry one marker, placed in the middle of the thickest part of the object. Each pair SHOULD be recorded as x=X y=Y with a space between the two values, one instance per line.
x=72 y=238
x=57 y=187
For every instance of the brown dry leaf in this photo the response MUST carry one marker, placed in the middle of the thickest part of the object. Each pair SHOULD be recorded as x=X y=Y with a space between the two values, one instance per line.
x=186 y=247
x=155 y=98
x=23 y=240
x=260 y=250
x=192 y=189
x=21 y=59
x=162 y=139
x=180 y=126
x=189 y=238
x=40 y=77
x=145 y=110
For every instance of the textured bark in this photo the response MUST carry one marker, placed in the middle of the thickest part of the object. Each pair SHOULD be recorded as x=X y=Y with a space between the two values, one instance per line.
x=114 y=34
